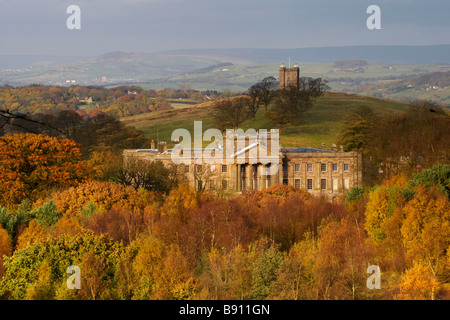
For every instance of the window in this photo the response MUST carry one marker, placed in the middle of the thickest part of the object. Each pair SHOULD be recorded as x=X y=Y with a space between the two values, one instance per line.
x=199 y=185
x=323 y=167
x=297 y=167
x=255 y=168
x=347 y=184
x=297 y=183
x=345 y=166
x=224 y=184
x=285 y=167
x=242 y=168
x=255 y=184
x=199 y=168
x=310 y=184
x=309 y=167
x=335 y=184
x=285 y=182
x=267 y=181
x=224 y=168
x=334 y=166
x=186 y=168
x=323 y=184
x=212 y=185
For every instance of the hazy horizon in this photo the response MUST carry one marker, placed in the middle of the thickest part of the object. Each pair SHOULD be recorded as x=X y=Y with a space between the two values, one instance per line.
x=38 y=27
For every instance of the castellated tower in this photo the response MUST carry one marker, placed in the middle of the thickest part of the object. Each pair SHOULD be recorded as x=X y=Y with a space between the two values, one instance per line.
x=289 y=77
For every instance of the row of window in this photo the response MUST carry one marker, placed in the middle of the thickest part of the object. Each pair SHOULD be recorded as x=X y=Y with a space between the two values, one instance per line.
x=323 y=184
x=199 y=168
x=309 y=167
x=212 y=185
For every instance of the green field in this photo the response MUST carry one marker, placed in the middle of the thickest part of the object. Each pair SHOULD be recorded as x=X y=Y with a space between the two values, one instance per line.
x=321 y=124
x=239 y=78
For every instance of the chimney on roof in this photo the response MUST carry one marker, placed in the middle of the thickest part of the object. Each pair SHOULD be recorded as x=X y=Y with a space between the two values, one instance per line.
x=323 y=145
x=152 y=145
x=341 y=148
x=162 y=147
x=333 y=147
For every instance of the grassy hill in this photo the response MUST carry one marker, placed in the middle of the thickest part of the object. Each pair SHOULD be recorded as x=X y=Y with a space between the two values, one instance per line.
x=321 y=124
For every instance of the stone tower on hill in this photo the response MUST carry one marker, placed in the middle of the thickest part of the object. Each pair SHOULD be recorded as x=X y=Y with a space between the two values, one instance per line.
x=289 y=77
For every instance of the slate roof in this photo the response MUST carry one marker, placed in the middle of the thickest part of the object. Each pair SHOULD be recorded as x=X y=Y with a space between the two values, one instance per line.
x=303 y=150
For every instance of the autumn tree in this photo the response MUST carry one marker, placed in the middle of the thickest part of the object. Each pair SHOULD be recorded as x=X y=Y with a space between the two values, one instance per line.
x=218 y=224
x=180 y=203
x=122 y=225
x=94 y=132
x=27 y=268
x=341 y=261
x=33 y=164
x=87 y=198
x=137 y=173
x=230 y=113
x=34 y=233
x=426 y=230
x=5 y=248
x=418 y=283
x=406 y=142
x=241 y=273
x=295 y=278
x=261 y=93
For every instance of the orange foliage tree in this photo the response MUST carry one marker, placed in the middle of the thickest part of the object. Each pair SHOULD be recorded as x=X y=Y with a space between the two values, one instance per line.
x=32 y=164
x=5 y=248
x=282 y=193
x=418 y=283
x=91 y=196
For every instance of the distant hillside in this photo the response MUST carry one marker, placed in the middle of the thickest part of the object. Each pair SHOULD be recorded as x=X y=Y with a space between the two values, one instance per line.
x=351 y=76
x=434 y=86
x=379 y=54
x=118 y=67
x=25 y=61
x=321 y=124
x=109 y=69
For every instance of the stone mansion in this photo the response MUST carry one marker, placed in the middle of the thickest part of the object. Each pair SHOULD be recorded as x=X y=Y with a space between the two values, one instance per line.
x=319 y=171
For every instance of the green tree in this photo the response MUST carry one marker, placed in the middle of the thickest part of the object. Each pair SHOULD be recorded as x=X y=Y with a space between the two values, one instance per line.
x=289 y=105
x=230 y=113
x=357 y=126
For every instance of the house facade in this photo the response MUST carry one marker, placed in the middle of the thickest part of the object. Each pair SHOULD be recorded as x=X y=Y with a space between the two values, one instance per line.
x=253 y=164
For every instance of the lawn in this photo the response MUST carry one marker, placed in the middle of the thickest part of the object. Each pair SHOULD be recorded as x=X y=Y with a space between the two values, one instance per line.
x=321 y=124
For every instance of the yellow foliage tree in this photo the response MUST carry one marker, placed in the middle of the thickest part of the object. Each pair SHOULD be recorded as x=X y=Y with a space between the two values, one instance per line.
x=173 y=277
x=426 y=229
x=86 y=198
x=418 y=283
x=180 y=203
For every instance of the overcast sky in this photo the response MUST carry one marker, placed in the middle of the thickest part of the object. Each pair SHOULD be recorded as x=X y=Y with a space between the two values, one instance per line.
x=39 y=26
